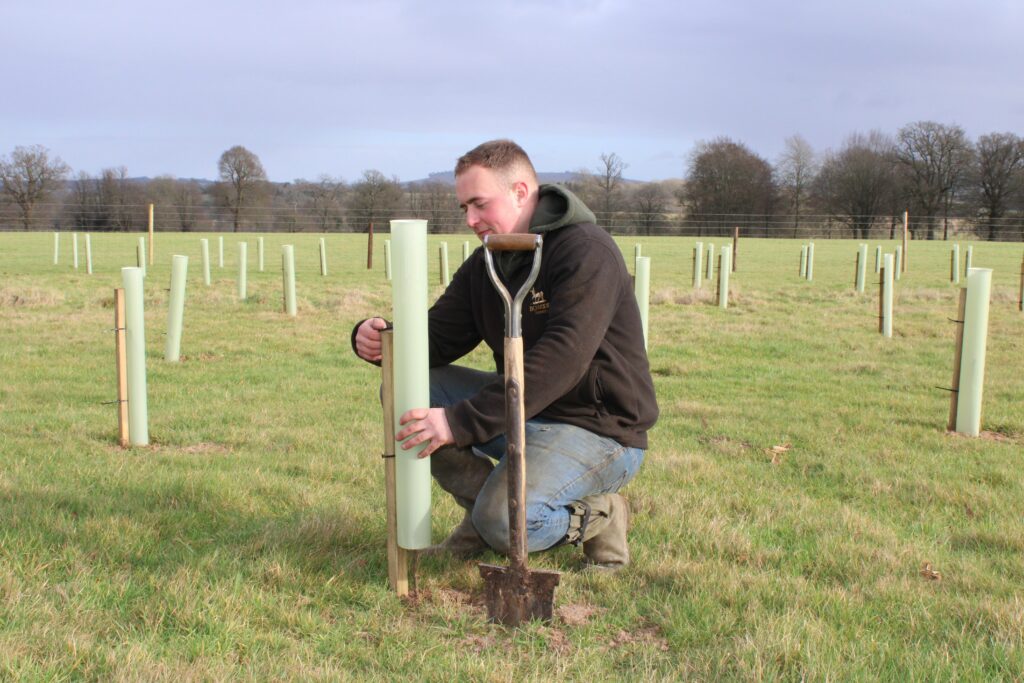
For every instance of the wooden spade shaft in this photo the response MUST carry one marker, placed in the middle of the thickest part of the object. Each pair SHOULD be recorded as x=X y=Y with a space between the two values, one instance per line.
x=515 y=594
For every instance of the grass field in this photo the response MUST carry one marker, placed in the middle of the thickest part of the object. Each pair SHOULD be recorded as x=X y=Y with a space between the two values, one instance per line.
x=802 y=513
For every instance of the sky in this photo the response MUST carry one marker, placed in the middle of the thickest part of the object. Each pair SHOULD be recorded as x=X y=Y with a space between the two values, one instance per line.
x=338 y=87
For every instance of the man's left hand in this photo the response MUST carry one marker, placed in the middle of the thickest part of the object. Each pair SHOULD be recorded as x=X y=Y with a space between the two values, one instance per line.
x=424 y=425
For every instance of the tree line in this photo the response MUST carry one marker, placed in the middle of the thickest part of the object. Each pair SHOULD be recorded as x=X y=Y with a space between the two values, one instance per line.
x=947 y=182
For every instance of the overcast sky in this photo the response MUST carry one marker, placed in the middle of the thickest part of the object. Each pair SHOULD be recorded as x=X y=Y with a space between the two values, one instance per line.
x=338 y=87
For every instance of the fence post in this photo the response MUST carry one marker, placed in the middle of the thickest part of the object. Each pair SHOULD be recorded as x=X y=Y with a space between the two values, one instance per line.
x=398 y=567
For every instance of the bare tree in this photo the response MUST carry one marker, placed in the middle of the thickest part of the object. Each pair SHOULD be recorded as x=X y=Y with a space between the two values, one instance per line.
x=242 y=173
x=375 y=197
x=935 y=159
x=649 y=202
x=795 y=173
x=854 y=184
x=29 y=177
x=728 y=184
x=999 y=173
x=324 y=198
x=177 y=202
x=435 y=200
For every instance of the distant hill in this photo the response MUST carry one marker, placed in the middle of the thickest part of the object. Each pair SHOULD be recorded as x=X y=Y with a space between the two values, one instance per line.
x=448 y=177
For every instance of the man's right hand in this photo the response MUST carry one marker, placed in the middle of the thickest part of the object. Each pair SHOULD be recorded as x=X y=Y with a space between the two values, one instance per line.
x=368 y=339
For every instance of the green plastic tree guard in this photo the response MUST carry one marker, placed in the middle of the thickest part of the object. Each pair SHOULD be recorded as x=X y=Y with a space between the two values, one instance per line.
x=220 y=251
x=710 y=265
x=323 y=257
x=972 y=357
x=412 y=377
x=642 y=291
x=637 y=253
x=135 y=350
x=243 y=271
x=259 y=252
x=74 y=250
x=878 y=259
x=443 y=255
x=724 y=268
x=56 y=248
x=176 y=308
x=898 y=263
x=803 y=261
x=205 y=245
x=887 y=285
x=288 y=271
x=88 y=255
x=810 y=261
x=465 y=251
x=387 y=260
x=954 y=265
x=969 y=259
x=140 y=255
x=862 y=267
x=698 y=267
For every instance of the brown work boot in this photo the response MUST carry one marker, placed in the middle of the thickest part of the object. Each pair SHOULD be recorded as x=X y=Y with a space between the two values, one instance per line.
x=463 y=542
x=604 y=519
x=462 y=473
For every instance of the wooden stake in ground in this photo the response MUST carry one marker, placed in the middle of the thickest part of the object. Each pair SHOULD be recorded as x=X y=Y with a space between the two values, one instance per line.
x=398 y=558
x=1020 y=295
x=121 y=358
x=958 y=348
x=906 y=232
x=735 y=246
x=369 y=248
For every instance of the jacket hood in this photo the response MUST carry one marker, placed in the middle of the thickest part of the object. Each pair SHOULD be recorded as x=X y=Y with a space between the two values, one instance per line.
x=556 y=208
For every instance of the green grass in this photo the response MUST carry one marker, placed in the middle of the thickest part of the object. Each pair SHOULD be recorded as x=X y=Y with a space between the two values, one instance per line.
x=246 y=541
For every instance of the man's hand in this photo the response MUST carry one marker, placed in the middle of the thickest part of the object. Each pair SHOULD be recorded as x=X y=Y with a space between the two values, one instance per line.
x=424 y=425
x=368 y=338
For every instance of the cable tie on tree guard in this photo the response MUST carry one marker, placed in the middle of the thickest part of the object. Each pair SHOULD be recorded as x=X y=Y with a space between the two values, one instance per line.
x=387 y=455
x=955 y=391
x=107 y=403
x=954 y=321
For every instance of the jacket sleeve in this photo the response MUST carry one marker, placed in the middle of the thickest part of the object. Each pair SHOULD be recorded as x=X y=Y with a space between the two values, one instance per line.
x=452 y=328
x=585 y=289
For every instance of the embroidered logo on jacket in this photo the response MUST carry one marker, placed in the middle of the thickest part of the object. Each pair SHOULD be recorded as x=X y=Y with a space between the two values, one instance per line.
x=538 y=304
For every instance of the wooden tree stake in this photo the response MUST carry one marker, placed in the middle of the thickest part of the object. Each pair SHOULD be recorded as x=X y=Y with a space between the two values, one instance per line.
x=958 y=349
x=398 y=558
x=122 y=368
x=369 y=248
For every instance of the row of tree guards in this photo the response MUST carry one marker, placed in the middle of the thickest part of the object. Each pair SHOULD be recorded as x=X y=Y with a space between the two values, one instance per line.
x=888 y=266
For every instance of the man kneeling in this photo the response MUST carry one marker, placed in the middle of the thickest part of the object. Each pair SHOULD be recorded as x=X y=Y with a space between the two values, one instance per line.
x=588 y=390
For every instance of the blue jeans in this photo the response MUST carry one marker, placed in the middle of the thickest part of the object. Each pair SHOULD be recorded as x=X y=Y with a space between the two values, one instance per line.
x=564 y=463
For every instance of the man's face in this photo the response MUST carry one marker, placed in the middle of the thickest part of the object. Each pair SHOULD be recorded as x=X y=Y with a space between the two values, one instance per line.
x=491 y=204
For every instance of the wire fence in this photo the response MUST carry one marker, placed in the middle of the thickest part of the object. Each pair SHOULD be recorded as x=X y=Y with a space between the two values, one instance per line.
x=200 y=217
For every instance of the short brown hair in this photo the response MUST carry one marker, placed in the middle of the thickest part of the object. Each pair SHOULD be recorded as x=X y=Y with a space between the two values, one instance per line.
x=501 y=156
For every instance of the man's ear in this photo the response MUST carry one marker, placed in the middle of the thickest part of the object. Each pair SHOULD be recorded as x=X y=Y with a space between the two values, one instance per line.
x=521 y=191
